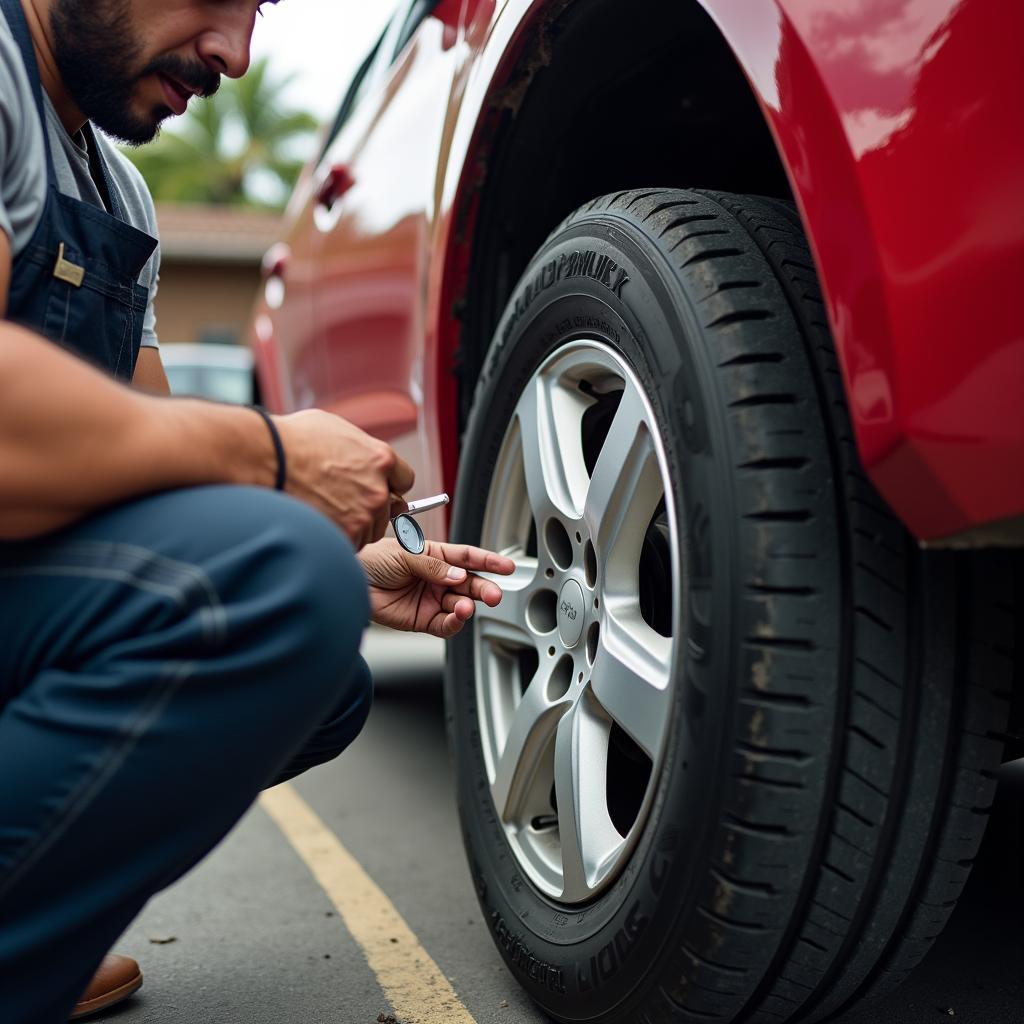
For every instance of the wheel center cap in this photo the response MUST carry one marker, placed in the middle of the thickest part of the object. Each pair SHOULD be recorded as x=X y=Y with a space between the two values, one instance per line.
x=570 y=613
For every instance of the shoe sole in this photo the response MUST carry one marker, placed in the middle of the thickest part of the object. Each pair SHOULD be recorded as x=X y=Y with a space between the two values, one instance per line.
x=108 y=999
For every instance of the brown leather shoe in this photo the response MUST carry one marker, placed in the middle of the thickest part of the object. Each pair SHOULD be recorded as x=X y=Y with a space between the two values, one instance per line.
x=117 y=978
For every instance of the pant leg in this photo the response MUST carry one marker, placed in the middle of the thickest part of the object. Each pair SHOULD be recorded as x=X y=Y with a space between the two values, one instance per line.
x=160 y=663
x=342 y=726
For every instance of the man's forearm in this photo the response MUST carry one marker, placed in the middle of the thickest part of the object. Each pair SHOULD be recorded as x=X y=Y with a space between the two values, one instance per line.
x=72 y=441
x=150 y=375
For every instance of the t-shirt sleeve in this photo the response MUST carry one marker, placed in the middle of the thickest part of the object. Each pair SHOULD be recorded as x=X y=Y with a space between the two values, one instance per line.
x=22 y=166
x=6 y=134
x=149 y=338
x=149 y=324
x=7 y=131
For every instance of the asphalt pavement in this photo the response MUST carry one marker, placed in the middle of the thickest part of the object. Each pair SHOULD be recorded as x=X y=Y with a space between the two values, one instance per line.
x=253 y=935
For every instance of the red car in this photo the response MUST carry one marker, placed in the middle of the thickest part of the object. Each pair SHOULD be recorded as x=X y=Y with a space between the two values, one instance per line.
x=704 y=311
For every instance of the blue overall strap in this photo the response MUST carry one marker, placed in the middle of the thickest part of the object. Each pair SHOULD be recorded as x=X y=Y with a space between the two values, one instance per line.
x=99 y=172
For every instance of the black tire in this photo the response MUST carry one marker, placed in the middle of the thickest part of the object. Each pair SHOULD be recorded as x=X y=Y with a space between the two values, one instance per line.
x=833 y=732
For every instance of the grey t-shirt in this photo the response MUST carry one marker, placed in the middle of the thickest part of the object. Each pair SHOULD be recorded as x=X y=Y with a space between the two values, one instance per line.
x=23 y=169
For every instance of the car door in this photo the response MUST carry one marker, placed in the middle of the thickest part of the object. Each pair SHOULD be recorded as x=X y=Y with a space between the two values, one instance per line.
x=375 y=216
x=289 y=360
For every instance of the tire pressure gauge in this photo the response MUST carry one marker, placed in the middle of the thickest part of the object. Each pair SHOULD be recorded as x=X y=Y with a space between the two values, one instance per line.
x=408 y=531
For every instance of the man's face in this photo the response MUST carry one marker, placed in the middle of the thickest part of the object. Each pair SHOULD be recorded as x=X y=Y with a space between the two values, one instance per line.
x=130 y=64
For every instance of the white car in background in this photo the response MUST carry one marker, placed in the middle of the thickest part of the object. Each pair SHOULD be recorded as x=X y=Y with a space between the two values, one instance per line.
x=223 y=373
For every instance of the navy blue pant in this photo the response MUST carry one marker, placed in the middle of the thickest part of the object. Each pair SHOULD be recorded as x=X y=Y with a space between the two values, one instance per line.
x=160 y=663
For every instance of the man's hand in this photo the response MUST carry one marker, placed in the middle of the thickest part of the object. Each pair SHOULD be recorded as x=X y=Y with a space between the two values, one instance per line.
x=341 y=470
x=433 y=592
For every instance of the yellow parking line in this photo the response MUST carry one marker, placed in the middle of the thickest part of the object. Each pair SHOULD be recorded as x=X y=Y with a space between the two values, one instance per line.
x=413 y=984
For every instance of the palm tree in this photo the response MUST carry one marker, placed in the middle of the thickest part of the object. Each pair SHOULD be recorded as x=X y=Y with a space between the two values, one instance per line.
x=228 y=145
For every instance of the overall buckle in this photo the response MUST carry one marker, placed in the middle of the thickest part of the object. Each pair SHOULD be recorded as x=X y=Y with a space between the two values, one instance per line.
x=65 y=270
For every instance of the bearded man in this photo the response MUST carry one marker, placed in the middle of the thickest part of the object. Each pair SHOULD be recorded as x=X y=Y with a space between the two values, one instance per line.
x=177 y=634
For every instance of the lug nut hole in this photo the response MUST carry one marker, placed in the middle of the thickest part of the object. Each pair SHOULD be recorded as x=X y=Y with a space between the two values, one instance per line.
x=542 y=611
x=592 y=637
x=561 y=678
x=590 y=565
x=559 y=544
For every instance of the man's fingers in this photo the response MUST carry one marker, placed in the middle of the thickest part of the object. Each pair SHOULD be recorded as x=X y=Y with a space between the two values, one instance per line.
x=459 y=611
x=380 y=525
x=401 y=478
x=436 y=570
x=445 y=574
x=358 y=537
x=500 y=564
x=459 y=604
x=480 y=590
x=398 y=506
x=450 y=625
x=477 y=559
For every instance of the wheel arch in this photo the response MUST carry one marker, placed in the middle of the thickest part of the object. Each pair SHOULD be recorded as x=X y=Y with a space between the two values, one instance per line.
x=735 y=114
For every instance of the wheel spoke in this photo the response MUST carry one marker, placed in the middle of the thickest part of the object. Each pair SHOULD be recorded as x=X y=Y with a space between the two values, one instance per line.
x=588 y=838
x=549 y=424
x=507 y=622
x=625 y=486
x=533 y=724
x=631 y=676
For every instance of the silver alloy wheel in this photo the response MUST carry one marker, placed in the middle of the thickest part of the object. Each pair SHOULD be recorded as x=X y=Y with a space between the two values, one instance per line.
x=569 y=669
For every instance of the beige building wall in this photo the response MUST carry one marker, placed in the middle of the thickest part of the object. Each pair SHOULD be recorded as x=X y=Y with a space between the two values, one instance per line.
x=209 y=270
x=204 y=302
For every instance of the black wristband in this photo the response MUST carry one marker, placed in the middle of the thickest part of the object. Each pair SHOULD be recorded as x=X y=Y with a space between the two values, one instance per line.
x=282 y=470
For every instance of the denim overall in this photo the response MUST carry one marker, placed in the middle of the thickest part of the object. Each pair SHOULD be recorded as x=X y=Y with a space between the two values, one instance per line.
x=77 y=280
x=161 y=660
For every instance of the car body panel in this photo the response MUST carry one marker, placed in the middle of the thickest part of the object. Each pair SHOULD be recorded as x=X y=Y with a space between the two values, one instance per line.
x=897 y=123
x=374 y=252
x=906 y=153
x=283 y=339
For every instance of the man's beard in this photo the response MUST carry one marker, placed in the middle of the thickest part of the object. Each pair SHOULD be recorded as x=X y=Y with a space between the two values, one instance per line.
x=98 y=55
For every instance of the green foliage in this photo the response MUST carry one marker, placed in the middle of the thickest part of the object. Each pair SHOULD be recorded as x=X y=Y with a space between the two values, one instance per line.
x=223 y=146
